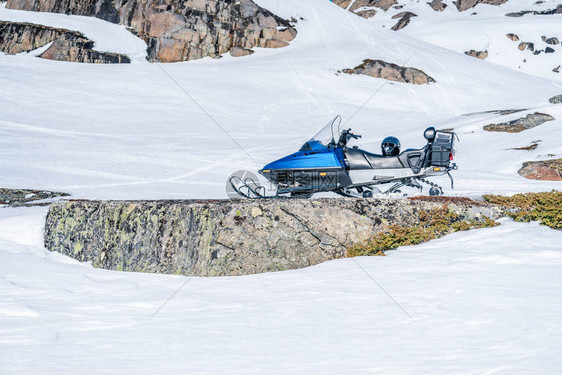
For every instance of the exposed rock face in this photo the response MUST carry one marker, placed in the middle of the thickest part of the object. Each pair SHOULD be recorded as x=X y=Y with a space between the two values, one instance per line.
x=391 y=72
x=76 y=48
x=557 y=10
x=478 y=54
x=67 y=45
x=20 y=197
x=546 y=170
x=463 y=5
x=239 y=52
x=513 y=37
x=404 y=20
x=526 y=45
x=212 y=238
x=556 y=99
x=179 y=30
x=516 y=126
x=365 y=8
x=438 y=5
x=24 y=37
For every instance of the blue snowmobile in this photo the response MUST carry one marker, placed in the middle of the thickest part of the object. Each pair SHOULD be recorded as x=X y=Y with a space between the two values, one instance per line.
x=325 y=163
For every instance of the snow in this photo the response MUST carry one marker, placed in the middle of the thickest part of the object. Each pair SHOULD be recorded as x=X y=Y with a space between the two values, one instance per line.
x=482 y=302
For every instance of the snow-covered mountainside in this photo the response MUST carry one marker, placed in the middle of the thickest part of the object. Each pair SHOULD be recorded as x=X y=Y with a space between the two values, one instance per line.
x=481 y=302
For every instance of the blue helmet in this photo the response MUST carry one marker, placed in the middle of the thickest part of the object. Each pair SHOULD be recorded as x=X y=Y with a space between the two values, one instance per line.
x=390 y=146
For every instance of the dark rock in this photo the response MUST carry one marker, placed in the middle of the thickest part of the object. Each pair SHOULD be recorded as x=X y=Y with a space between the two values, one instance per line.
x=391 y=72
x=178 y=30
x=74 y=47
x=404 y=20
x=557 y=69
x=545 y=170
x=365 y=8
x=523 y=123
x=557 y=10
x=526 y=45
x=556 y=99
x=438 y=5
x=552 y=41
x=18 y=37
x=478 y=54
x=229 y=237
x=549 y=50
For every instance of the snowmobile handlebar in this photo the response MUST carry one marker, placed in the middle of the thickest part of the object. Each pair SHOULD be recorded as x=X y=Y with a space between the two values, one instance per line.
x=345 y=136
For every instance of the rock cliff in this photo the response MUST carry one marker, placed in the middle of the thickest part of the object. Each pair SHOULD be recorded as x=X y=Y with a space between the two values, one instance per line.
x=179 y=30
x=211 y=238
x=391 y=72
x=66 y=45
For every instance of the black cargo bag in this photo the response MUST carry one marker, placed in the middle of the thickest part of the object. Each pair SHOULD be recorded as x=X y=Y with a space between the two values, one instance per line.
x=442 y=149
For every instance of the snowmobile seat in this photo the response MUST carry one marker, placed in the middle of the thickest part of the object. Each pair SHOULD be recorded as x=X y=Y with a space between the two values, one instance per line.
x=359 y=159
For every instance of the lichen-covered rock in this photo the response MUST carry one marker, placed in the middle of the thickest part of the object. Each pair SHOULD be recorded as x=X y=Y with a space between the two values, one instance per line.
x=66 y=45
x=404 y=20
x=556 y=99
x=391 y=72
x=19 y=197
x=478 y=54
x=516 y=126
x=546 y=170
x=179 y=30
x=212 y=238
x=463 y=5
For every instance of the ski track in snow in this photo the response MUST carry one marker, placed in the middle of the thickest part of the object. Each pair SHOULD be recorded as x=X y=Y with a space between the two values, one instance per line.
x=483 y=302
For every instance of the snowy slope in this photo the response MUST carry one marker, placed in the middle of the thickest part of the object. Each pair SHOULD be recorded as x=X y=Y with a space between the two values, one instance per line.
x=129 y=132
x=481 y=302
x=484 y=27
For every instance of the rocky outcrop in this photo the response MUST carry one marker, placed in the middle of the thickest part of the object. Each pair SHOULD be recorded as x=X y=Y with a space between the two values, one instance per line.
x=478 y=54
x=546 y=170
x=212 y=238
x=557 y=10
x=552 y=41
x=391 y=72
x=516 y=126
x=365 y=8
x=438 y=5
x=21 y=197
x=24 y=37
x=463 y=5
x=404 y=20
x=556 y=99
x=76 y=48
x=179 y=30
x=66 y=45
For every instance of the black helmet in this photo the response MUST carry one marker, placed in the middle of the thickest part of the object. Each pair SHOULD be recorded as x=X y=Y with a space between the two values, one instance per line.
x=390 y=146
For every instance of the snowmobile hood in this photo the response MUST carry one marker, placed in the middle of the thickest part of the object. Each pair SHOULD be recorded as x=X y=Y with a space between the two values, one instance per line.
x=324 y=159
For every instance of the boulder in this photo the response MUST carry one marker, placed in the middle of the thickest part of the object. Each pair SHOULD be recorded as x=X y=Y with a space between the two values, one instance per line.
x=513 y=37
x=545 y=170
x=549 y=50
x=557 y=10
x=526 y=45
x=365 y=8
x=239 y=52
x=552 y=41
x=463 y=5
x=391 y=72
x=438 y=5
x=478 y=54
x=556 y=99
x=24 y=37
x=404 y=20
x=22 y=197
x=516 y=126
x=178 y=30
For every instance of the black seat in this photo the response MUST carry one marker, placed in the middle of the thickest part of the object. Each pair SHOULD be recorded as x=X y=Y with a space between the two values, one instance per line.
x=359 y=159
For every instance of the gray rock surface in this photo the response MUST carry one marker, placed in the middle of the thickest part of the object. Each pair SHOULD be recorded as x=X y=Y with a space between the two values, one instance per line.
x=438 y=5
x=391 y=72
x=21 y=197
x=179 y=30
x=545 y=170
x=478 y=54
x=67 y=45
x=212 y=238
x=463 y=5
x=365 y=8
x=516 y=126
x=404 y=20
x=547 y=12
x=556 y=99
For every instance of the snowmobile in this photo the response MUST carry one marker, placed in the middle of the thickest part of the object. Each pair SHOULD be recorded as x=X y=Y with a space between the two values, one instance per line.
x=325 y=163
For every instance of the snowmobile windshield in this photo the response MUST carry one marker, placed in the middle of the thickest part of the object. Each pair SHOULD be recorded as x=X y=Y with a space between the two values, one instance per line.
x=325 y=138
